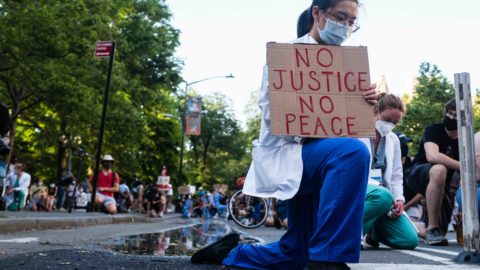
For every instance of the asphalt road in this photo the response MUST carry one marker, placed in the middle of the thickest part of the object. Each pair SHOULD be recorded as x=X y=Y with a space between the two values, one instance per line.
x=85 y=248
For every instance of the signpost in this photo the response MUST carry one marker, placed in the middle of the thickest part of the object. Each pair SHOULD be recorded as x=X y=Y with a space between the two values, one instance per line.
x=102 y=49
x=467 y=170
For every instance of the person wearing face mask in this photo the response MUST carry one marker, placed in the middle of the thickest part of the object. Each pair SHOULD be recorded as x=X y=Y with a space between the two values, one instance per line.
x=431 y=173
x=324 y=180
x=108 y=183
x=38 y=195
x=384 y=221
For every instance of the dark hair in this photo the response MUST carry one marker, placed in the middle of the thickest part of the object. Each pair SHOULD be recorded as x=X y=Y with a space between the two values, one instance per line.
x=20 y=166
x=450 y=105
x=388 y=101
x=305 y=20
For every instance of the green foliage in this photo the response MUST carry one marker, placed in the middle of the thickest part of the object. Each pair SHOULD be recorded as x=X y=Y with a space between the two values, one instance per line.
x=216 y=155
x=55 y=87
x=254 y=117
x=426 y=107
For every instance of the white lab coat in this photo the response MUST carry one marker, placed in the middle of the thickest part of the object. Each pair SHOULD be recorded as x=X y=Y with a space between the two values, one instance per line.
x=393 y=176
x=277 y=166
x=24 y=182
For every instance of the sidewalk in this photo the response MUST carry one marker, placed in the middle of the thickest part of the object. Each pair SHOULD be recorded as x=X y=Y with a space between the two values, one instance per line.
x=27 y=220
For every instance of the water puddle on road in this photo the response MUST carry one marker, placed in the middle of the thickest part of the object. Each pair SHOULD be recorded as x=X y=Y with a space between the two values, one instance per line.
x=178 y=242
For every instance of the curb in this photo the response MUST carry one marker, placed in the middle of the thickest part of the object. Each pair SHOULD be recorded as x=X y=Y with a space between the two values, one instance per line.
x=44 y=223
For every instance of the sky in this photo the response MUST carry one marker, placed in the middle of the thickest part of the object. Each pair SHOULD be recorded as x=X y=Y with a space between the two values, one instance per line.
x=221 y=37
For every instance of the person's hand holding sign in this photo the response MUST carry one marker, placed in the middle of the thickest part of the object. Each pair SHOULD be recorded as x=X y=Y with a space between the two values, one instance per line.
x=371 y=95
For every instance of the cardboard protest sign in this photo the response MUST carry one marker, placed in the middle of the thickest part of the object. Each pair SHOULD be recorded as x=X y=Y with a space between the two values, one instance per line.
x=183 y=189
x=164 y=182
x=317 y=91
x=220 y=187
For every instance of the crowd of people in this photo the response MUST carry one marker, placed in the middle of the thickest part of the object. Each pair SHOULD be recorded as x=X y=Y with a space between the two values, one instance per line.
x=112 y=195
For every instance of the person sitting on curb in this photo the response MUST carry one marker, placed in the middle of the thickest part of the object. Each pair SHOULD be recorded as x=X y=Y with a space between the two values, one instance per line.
x=107 y=185
x=187 y=206
x=155 y=202
x=384 y=220
x=38 y=195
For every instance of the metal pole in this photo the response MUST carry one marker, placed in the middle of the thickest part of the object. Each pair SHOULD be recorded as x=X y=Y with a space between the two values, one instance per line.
x=467 y=170
x=102 y=128
x=182 y=115
x=69 y=164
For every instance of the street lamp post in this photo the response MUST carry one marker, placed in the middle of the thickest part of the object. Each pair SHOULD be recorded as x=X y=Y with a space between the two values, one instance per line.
x=182 y=114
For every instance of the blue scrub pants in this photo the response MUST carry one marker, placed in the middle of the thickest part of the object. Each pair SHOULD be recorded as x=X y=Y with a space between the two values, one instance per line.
x=324 y=217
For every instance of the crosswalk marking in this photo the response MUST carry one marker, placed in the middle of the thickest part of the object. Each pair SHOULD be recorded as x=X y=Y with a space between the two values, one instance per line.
x=441 y=251
x=20 y=240
x=427 y=256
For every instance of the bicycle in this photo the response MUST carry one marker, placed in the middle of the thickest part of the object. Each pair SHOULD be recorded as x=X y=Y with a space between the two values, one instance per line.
x=248 y=211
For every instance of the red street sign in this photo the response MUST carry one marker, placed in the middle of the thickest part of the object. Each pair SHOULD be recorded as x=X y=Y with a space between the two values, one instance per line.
x=103 y=49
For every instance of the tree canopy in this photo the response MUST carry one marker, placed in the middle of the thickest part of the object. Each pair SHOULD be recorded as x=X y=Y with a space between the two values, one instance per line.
x=54 y=86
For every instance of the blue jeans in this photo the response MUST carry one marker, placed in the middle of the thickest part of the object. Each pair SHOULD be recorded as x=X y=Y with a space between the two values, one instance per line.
x=459 y=198
x=324 y=217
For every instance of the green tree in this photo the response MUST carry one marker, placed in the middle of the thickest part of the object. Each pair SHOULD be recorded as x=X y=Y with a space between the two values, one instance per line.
x=254 y=117
x=55 y=88
x=426 y=106
x=215 y=155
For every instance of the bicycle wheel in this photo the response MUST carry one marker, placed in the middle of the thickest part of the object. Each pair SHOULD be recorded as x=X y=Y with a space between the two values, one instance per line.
x=247 y=211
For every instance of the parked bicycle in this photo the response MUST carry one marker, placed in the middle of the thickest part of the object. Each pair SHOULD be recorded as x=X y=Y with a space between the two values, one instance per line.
x=248 y=211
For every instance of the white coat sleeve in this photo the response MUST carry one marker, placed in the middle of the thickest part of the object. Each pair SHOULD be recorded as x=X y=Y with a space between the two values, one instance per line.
x=397 y=172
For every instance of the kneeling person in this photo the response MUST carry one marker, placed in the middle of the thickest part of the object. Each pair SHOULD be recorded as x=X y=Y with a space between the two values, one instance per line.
x=107 y=185
x=384 y=220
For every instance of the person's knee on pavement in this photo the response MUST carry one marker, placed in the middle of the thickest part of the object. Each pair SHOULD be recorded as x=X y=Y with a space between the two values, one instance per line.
x=408 y=241
x=111 y=208
x=98 y=200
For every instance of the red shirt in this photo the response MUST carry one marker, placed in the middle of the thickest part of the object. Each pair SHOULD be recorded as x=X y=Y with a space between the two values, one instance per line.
x=105 y=181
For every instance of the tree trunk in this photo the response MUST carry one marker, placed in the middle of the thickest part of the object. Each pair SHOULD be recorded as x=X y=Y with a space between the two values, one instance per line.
x=13 y=130
x=61 y=152
x=205 y=151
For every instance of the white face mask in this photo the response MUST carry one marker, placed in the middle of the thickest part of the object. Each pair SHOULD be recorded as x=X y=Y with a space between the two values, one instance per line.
x=384 y=127
x=332 y=33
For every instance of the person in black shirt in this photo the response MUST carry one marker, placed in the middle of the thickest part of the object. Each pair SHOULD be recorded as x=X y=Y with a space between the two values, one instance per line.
x=432 y=171
x=155 y=202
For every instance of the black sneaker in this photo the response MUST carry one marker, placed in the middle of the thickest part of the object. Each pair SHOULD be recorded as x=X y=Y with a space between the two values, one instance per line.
x=314 y=265
x=435 y=238
x=217 y=251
